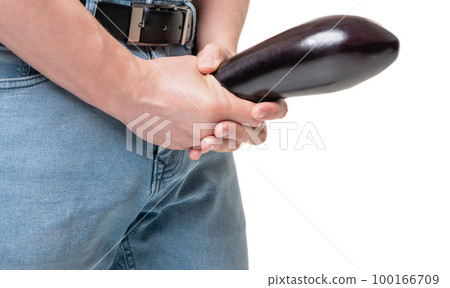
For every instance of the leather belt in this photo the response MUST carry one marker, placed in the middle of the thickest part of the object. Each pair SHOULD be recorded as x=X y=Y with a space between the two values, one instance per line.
x=146 y=24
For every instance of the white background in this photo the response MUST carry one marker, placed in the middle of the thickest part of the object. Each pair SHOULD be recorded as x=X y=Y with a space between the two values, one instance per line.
x=379 y=192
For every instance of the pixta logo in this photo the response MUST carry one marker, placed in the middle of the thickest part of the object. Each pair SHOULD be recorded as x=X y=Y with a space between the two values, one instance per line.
x=148 y=124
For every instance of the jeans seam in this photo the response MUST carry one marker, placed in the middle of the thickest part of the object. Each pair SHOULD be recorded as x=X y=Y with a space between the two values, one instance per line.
x=128 y=254
x=191 y=42
x=124 y=256
x=158 y=169
x=173 y=169
x=15 y=83
x=25 y=69
x=149 y=51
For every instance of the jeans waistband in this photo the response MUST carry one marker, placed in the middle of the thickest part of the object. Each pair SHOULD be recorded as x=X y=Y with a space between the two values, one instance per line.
x=92 y=4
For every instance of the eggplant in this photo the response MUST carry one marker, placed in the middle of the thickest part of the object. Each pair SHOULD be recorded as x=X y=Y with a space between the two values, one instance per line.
x=322 y=56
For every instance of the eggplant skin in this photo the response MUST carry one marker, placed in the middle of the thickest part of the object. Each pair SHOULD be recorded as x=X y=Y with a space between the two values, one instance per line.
x=322 y=56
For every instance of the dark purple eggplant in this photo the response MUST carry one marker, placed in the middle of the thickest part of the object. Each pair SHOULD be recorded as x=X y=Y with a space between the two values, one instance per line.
x=322 y=56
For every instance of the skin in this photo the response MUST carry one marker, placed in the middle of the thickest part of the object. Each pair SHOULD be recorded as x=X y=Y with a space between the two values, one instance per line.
x=65 y=43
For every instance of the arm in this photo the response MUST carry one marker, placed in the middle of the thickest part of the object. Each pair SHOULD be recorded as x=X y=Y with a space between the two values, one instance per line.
x=220 y=22
x=219 y=27
x=65 y=43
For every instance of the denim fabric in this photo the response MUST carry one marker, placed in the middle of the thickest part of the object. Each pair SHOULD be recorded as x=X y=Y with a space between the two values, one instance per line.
x=70 y=191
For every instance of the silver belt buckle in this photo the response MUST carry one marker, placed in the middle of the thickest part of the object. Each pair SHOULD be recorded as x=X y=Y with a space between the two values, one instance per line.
x=136 y=23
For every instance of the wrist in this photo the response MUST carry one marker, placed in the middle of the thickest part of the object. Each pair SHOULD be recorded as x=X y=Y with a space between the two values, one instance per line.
x=112 y=91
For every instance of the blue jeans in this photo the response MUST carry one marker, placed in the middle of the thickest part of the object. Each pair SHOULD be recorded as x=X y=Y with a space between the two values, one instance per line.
x=73 y=197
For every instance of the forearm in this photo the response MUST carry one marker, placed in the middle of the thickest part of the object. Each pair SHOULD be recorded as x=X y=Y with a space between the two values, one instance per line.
x=220 y=22
x=64 y=42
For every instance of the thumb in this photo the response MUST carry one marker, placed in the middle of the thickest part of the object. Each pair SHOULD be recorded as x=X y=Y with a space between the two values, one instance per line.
x=241 y=111
x=210 y=58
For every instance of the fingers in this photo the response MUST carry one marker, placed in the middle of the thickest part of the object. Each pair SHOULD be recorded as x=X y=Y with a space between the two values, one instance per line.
x=242 y=112
x=241 y=133
x=269 y=110
x=228 y=137
x=210 y=58
x=212 y=143
x=195 y=153
x=252 y=114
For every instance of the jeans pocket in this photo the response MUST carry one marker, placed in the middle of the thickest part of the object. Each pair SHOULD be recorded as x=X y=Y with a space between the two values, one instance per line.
x=21 y=82
x=15 y=73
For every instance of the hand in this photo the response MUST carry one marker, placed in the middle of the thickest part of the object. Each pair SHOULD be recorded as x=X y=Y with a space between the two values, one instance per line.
x=173 y=89
x=229 y=135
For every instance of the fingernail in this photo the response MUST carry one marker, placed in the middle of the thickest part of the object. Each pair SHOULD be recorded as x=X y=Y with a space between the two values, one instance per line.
x=208 y=63
x=260 y=114
x=212 y=148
